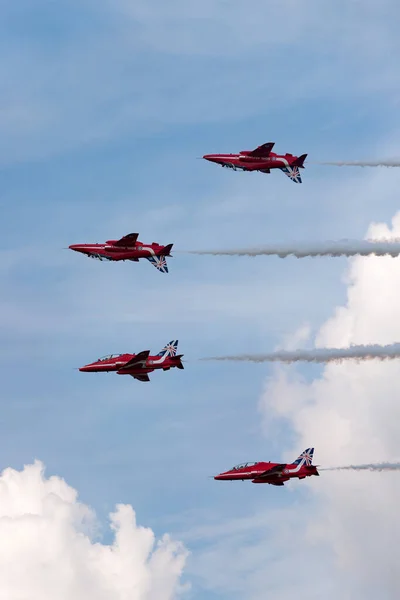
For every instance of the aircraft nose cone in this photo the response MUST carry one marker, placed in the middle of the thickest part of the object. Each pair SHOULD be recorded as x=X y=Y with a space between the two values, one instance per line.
x=212 y=158
x=76 y=247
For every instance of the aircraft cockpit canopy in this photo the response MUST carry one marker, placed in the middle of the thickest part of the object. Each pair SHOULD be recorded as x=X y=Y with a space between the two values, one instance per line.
x=99 y=256
x=243 y=465
x=108 y=357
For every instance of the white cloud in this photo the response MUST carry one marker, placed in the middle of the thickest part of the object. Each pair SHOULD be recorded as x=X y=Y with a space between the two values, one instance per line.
x=244 y=556
x=47 y=549
x=351 y=414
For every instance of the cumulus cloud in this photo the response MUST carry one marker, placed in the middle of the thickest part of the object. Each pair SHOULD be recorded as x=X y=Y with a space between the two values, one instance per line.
x=351 y=414
x=48 y=548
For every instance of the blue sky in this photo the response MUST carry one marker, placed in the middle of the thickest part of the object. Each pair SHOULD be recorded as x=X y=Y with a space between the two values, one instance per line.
x=105 y=107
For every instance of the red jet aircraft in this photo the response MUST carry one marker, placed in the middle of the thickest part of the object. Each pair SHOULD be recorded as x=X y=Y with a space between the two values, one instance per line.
x=273 y=473
x=127 y=248
x=261 y=159
x=138 y=365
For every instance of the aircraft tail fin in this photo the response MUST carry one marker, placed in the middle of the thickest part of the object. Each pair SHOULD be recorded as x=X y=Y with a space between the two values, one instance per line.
x=170 y=349
x=305 y=457
x=293 y=173
x=159 y=262
x=299 y=162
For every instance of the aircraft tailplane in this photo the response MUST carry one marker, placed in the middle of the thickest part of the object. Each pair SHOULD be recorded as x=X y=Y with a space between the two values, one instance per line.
x=299 y=162
x=178 y=363
x=312 y=469
x=166 y=251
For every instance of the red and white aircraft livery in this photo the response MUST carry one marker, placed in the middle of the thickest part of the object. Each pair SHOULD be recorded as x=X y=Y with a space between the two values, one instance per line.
x=273 y=473
x=261 y=159
x=138 y=365
x=127 y=248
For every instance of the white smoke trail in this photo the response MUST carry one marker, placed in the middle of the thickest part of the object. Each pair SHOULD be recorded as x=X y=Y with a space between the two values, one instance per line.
x=305 y=249
x=362 y=163
x=320 y=355
x=385 y=466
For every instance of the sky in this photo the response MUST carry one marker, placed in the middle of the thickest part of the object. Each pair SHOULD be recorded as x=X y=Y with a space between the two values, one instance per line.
x=106 y=486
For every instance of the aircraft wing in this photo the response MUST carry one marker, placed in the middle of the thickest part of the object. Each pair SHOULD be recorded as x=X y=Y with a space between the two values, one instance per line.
x=276 y=470
x=137 y=361
x=262 y=151
x=127 y=240
x=143 y=377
